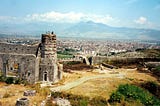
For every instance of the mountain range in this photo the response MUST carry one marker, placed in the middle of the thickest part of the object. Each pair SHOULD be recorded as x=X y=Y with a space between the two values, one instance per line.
x=82 y=29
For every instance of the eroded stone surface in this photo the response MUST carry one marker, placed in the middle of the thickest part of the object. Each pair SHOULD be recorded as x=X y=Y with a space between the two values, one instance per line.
x=61 y=102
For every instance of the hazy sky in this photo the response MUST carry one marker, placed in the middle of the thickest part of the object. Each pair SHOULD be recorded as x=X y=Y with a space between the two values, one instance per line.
x=127 y=13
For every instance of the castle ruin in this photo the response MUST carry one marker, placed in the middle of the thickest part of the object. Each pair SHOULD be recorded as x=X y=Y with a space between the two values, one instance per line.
x=32 y=62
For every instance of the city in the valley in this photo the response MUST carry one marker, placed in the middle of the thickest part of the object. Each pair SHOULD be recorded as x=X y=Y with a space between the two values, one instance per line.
x=56 y=67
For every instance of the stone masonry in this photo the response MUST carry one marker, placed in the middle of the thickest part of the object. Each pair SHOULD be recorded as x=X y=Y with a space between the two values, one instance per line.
x=32 y=63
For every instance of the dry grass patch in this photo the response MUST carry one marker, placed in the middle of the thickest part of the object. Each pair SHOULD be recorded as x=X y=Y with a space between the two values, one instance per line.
x=10 y=93
x=137 y=76
x=98 y=87
x=105 y=86
x=70 y=77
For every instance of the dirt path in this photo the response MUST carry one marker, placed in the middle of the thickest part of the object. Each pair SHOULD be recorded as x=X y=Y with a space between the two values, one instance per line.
x=84 y=79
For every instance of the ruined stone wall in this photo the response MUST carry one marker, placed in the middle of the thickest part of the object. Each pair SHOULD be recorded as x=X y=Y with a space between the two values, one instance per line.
x=32 y=63
x=97 y=59
x=22 y=64
x=100 y=59
x=19 y=49
x=1 y=62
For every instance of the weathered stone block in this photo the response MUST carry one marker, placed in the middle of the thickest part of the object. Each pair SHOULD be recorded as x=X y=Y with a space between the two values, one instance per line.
x=22 y=102
x=29 y=93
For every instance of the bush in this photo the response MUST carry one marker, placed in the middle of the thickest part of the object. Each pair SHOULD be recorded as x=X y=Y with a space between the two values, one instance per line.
x=12 y=80
x=132 y=92
x=116 y=97
x=152 y=87
x=18 y=81
x=9 y=80
x=2 y=78
x=83 y=102
x=158 y=68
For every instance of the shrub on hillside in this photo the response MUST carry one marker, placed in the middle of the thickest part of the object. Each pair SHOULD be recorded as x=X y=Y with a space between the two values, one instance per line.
x=2 y=78
x=9 y=80
x=12 y=80
x=158 y=68
x=116 y=97
x=132 y=92
x=18 y=81
x=152 y=87
x=156 y=71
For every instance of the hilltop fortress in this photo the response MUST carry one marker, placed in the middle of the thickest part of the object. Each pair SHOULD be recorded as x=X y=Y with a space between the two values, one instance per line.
x=32 y=63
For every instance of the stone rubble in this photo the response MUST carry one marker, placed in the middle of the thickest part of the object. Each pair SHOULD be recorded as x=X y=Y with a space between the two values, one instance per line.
x=29 y=93
x=61 y=102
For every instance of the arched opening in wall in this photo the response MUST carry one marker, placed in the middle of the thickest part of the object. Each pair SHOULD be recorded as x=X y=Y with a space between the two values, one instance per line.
x=12 y=68
x=29 y=73
x=45 y=76
x=15 y=67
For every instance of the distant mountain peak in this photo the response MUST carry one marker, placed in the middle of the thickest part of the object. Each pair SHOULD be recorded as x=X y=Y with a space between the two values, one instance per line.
x=82 y=29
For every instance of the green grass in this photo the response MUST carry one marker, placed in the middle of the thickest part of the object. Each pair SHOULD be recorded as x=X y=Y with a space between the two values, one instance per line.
x=158 y=68
x=67 y=53
x=61 y=56
x=131 y=92
x=12 y=80
x=152 y=87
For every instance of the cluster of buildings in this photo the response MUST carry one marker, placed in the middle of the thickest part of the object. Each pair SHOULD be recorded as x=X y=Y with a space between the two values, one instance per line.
x=36 y=60
x=102 y=47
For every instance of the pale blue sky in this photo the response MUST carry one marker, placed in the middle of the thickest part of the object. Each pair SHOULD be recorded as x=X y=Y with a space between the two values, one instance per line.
x=125 y=13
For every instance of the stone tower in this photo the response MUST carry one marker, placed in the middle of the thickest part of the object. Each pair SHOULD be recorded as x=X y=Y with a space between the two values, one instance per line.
x=48 y=46
x=49 y=69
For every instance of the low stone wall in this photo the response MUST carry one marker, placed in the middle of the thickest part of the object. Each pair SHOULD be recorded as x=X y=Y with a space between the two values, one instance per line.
x=19 y=49
x=101 y=59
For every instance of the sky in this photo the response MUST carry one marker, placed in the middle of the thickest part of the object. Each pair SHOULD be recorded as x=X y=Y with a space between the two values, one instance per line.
x=119 y=13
